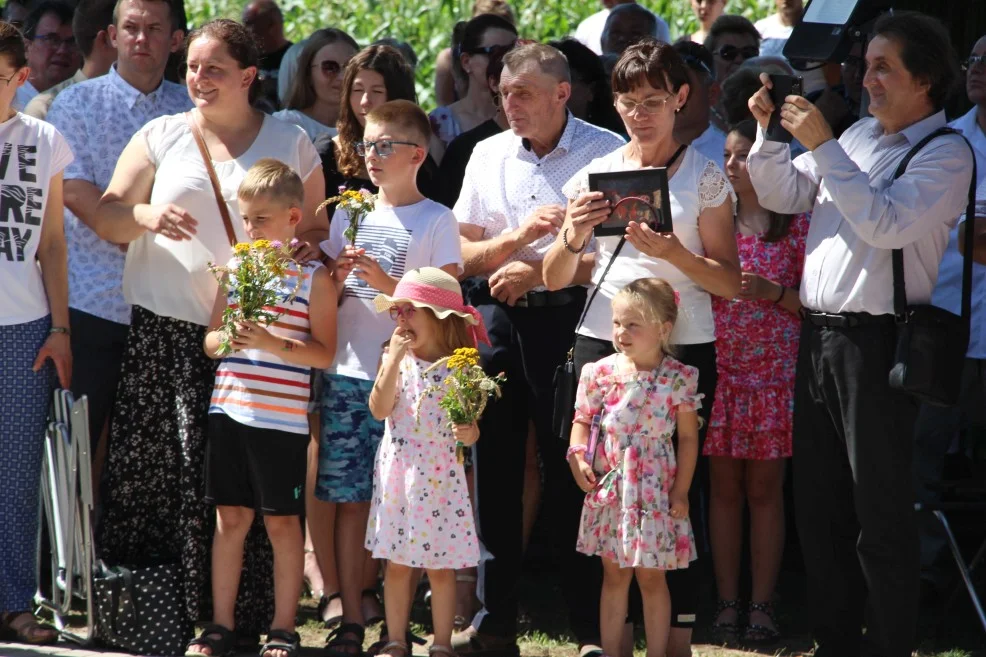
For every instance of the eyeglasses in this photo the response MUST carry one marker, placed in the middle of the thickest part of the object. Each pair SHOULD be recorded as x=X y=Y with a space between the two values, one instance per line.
x=490 y=51
x=649 y=106
x=729 y=53
x=384 y=147
x=974 y=60
x=407 y=312
x=7 y=81
x=329 y=67
x=55 y=42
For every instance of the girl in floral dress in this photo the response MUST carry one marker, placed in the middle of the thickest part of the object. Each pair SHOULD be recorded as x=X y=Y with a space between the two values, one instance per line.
x=636 y=511
x=420 y=515
x=750 y=430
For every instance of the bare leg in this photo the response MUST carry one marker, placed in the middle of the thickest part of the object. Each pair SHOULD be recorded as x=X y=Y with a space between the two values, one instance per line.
x=287 y=542
x=351 y=556
x=442 y=604
x=397 y=599
x=726 y=528
x=613 y=606
x=764 y=490
x=313 y=571
x=680 y=642
x=657 y=609
x=371 y=581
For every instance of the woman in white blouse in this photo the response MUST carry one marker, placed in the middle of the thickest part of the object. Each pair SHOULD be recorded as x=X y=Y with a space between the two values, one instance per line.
x=162 y=203
x=699 y=259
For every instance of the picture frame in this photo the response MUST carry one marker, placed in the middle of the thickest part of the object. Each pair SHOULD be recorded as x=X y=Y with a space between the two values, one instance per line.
x=639 y=195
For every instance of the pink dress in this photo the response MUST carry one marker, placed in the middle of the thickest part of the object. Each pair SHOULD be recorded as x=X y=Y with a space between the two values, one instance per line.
x=756 y=353
x=420 y=515
x=626 y=518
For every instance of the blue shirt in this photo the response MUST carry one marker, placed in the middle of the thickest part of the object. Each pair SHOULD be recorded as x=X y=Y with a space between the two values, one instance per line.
x=98 y=117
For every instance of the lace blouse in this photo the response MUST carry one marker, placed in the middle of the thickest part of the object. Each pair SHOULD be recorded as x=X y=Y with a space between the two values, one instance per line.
x=697 y=184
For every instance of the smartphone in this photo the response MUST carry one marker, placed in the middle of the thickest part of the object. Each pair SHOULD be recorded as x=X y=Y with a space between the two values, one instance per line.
x=783 y=86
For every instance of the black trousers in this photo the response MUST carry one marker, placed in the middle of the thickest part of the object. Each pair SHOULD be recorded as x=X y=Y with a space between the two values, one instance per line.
x=97 y=354
x=853 y=493
x=528 y=344
x=684 y=585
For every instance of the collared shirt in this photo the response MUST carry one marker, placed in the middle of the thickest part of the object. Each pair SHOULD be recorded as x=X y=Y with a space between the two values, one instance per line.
x=40 y=104
x=948 y=291
x=712 y=144
x=860 y=214
x=98 y=117
x=504 y=181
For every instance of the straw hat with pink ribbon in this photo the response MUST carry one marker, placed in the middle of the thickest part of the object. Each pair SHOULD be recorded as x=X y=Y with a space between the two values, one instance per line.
x=432 y=288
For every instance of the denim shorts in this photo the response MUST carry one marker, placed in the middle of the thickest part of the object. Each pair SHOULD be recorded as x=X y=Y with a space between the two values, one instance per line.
x=348 y=440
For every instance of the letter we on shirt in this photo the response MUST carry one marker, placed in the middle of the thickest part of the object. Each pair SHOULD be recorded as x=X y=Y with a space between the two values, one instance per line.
x=21 y=201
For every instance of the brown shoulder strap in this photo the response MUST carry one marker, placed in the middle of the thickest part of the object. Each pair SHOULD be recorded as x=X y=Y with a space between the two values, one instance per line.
x=207 y=159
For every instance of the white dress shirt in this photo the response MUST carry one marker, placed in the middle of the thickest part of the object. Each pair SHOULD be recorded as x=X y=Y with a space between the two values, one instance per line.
x=504 y=181
x=859 y=213
x=590 y=31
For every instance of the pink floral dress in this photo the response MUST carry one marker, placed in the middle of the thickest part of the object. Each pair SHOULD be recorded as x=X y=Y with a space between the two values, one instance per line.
x=756 y=353
x=626 y=518
x=420 y=515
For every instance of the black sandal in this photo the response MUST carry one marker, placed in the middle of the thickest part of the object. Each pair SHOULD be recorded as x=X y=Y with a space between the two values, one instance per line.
x=323 y=606
x=337 y=645
x=372 y=593
x=289 y=642
x=761 y=634
x=217 y=647
x=725 y=632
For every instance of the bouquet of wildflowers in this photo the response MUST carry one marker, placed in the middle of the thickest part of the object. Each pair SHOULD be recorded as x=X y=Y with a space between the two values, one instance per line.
x=466 y=389
x=254 y=281
x=356 y=206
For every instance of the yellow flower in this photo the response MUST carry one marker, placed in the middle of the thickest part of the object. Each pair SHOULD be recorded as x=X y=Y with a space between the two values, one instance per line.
x=261 y=244
x=241 y=248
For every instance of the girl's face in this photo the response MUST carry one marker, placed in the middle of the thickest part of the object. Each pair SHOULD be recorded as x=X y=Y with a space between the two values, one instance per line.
x=419 y=324
x=369 y=91
x=328 y=66
x=213 y=76
x=634 y=335
x=737 y=148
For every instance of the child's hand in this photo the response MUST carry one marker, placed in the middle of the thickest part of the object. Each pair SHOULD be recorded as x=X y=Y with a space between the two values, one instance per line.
x=467 y=434
x=251 y=335
x=585 y=478
x=679 y=505
x=398 y=344
x=346 y=261
x=369 y=270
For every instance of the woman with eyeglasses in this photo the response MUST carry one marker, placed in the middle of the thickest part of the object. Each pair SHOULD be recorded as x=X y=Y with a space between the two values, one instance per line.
x=699 y=259
x=162 y=203
x=313 y=98
x=472 y=44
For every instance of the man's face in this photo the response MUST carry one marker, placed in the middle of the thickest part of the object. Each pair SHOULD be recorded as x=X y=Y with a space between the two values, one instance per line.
x=262 y=21
x=143 y=35
x=975 y=77
x=896 y=96
x=625 y=29
x=53 y=54
x=732 y=49
x=532 y=101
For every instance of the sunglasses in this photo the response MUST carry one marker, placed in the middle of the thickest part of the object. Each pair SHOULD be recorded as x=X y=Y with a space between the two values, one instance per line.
x=973 y=61
x=329 y=67
x=384 y=147
x=729 y=53
x=407 y=312
x=490 y=51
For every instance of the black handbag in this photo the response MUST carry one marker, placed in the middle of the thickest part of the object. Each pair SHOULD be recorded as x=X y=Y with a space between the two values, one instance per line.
x=566 y=379
x=932 y=342
x=140 y=610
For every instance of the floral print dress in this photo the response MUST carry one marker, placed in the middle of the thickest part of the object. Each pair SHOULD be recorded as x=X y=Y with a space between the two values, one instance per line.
x=626 y=518
x=420 y=514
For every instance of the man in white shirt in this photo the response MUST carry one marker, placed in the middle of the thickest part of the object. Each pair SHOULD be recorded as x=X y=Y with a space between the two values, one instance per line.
x=693 y=124
x=590 y=30
x=852 y=456
x=98 y=117
x=52 y=52
x=629 y=23
x=509 y=210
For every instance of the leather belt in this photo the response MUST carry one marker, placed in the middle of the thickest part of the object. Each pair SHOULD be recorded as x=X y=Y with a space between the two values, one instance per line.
x=551 y=299
x=844 y=320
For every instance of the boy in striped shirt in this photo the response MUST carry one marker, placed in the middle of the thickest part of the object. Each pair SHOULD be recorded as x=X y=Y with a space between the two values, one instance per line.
x=256 y=454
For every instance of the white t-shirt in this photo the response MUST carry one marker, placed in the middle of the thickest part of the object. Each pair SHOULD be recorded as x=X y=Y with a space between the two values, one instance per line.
x=172 y=278
x=697 y=184
x=425 y=234
x=590 y=31
x=31 y=153
x=311 y=127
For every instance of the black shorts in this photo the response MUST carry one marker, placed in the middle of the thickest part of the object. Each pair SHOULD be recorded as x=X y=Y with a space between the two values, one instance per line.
x=261 y=469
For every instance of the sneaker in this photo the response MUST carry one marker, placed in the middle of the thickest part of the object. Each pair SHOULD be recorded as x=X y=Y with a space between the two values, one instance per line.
x=471 y=641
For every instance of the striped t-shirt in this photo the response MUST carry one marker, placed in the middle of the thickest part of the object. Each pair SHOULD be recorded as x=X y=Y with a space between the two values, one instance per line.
x=257 y=388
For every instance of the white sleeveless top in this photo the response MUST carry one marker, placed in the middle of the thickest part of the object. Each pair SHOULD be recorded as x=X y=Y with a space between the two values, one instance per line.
x=697 y=184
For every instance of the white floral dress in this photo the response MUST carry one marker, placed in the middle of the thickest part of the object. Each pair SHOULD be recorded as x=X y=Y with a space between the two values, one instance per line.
x=626 y=517
x=420 y=514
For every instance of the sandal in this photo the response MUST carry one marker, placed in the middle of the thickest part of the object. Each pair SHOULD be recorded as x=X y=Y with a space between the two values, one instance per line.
x=762 y=634
x=323 y=608
x=398 y=645
x=29 y=631
x=441 y=650
x=218 y=647
x=337 y=645
x=372 y=593
x=381 y=645
x=284 y=640
x=725 y=632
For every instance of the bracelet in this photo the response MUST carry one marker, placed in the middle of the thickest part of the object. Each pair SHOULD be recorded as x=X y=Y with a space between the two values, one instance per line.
x=576 y=449
x=780 y=297
x=568 y=247
x=58 y=329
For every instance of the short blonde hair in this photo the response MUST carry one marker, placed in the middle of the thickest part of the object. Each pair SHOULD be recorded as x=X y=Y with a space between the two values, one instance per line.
x=655 y=300
x=275 y=180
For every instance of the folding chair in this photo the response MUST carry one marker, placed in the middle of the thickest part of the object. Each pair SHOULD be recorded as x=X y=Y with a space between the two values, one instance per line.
x=66 y=506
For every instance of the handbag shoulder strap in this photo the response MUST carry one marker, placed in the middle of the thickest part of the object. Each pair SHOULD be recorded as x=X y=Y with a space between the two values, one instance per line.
x=216 y=189
x=900 y=291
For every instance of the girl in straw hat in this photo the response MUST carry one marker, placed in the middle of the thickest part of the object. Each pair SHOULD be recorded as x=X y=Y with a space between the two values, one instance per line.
x=420 y=515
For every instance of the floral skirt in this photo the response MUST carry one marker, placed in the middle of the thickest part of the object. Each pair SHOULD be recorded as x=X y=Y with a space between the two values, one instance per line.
x=154 y=485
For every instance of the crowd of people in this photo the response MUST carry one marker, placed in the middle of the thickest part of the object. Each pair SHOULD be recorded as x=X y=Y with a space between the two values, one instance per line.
x=749 y=344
